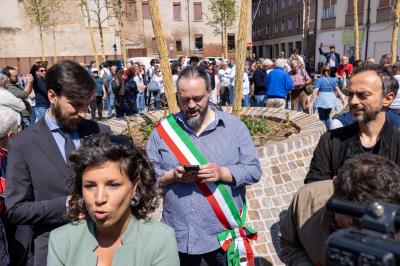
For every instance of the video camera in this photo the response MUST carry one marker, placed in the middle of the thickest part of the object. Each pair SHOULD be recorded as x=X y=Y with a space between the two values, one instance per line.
x=373 y=244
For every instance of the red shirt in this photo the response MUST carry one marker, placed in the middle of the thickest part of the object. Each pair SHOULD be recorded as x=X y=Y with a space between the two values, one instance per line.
x=342 y=68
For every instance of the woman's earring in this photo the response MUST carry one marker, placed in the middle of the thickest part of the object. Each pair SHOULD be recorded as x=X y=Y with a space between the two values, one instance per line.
x=135 y=201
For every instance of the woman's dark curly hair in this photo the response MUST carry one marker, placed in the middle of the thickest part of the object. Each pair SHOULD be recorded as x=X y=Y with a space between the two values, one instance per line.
x=99 y=149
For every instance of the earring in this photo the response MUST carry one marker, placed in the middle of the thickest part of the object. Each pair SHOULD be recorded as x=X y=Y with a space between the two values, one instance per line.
x=135 y=201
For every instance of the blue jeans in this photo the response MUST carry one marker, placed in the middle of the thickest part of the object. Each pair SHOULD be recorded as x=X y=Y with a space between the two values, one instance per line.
x=110 y=102
x=246 y=100
x=140 y=102
x=260 y=100
x=324 y=116
x=231 y=94
x=40 y=112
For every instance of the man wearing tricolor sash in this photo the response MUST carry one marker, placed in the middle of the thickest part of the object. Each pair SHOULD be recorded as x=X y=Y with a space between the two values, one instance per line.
x=206 y=207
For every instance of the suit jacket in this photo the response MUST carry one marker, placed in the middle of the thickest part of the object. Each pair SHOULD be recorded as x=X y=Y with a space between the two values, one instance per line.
x=36 y=191
x=144 y=243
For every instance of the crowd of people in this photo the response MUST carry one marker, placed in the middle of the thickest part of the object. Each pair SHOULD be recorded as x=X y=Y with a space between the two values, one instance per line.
x=74 y=194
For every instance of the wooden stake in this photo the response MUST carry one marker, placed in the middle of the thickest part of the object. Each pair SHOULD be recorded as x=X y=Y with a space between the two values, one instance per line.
x=356 y=42
x=164 y=60
x=395 y=30
x=240 y=56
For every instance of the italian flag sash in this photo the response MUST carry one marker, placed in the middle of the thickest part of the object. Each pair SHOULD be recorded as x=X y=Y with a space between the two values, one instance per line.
x=235 y=238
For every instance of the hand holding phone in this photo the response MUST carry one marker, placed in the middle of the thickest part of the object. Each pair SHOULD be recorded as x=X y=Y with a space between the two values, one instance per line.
x=191 y=167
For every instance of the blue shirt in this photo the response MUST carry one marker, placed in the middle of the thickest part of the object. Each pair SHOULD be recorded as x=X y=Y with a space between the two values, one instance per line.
x=326 y=84
x=278 y=83
x=60 y=140
x=227 y=142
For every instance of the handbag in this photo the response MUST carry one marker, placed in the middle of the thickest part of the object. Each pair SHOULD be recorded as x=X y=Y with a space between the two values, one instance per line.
x=153 y=86
x=308 y=88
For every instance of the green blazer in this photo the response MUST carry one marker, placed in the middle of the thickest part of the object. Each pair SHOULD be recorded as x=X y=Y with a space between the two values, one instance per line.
x=143 y=243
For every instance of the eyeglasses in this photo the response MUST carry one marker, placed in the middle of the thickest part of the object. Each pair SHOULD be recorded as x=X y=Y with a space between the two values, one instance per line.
x=42 y=70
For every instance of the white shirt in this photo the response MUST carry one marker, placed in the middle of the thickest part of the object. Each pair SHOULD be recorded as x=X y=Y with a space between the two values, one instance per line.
x=396 y=102
x=246 y=84
x=224 y=77
x=332 y=60
x=175 y=80
x=160 y=82
x=232 y=75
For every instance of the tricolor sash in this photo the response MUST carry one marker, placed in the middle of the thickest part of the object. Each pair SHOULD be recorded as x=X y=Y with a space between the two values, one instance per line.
x=235 y=239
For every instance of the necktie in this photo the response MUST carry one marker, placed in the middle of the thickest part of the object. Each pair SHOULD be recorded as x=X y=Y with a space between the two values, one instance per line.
x=69 y=145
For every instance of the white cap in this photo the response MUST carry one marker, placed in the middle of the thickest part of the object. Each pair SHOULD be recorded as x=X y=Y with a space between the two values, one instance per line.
x=95 y=70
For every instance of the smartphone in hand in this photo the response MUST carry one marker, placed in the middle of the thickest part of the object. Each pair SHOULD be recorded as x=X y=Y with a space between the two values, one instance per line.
x=191 y=167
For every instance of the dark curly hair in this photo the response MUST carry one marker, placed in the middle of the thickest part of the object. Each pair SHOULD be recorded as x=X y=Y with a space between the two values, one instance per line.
x=99 y=149
x=366 y=178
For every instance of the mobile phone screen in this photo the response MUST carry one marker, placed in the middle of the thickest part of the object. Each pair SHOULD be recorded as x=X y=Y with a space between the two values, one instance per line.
x=191 y=167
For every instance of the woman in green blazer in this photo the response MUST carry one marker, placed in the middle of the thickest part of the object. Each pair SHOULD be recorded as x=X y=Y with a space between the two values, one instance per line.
x=112 y=193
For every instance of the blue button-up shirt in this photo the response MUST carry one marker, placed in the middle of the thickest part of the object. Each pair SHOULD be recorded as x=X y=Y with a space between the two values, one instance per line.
x=278 y=83
x=60 y=140
x=226 y=142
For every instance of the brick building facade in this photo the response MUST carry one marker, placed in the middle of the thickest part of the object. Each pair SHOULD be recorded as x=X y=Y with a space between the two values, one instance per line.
x=282 y=26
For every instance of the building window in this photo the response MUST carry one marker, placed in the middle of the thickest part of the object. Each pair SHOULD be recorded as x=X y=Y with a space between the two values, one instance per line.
x=131 y=12
x=267 y=30
x=329 y=12
x=276 y=52
x=283 y=48
x=289 y=26
x=276 y=27
x=198 y=11
x=350 y=7
x=198 y=42
x=178 y=45
x=268 y=9
x=298 y=22
x=154 y=46
x=145 y=10
x=260 y=10
x=290 y=47
x=299 y=46
x=283 y=4
x=259 y=31
x=283 y=25
x=275 y=6
x=177 y=11
x=290 y=2
x=231 y=41
x=386 y=3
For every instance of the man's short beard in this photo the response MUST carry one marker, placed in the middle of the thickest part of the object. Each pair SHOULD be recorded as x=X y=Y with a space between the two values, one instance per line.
x=368 y=116
x=64 y=122
x=195 y=122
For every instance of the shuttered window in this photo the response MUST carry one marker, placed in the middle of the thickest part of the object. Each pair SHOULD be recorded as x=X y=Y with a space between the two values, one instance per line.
x=198 y=11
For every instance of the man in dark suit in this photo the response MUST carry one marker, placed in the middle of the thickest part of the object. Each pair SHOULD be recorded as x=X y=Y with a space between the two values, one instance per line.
x=37 y=170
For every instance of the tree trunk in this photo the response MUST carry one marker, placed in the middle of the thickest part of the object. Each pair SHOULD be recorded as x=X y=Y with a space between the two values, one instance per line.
x=240 y=56
x=41 y=43
x=98 y=13
x=91 y=35
x=356 y=42
x=163 y=52
x=395 y=31
x=122 y=38
x=54 y=44
x=103 y=51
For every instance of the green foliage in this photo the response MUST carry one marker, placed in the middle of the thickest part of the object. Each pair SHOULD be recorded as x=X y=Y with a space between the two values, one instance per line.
x=146 y=129
x=255 y=126
x=38 y=12
x=223 y=15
